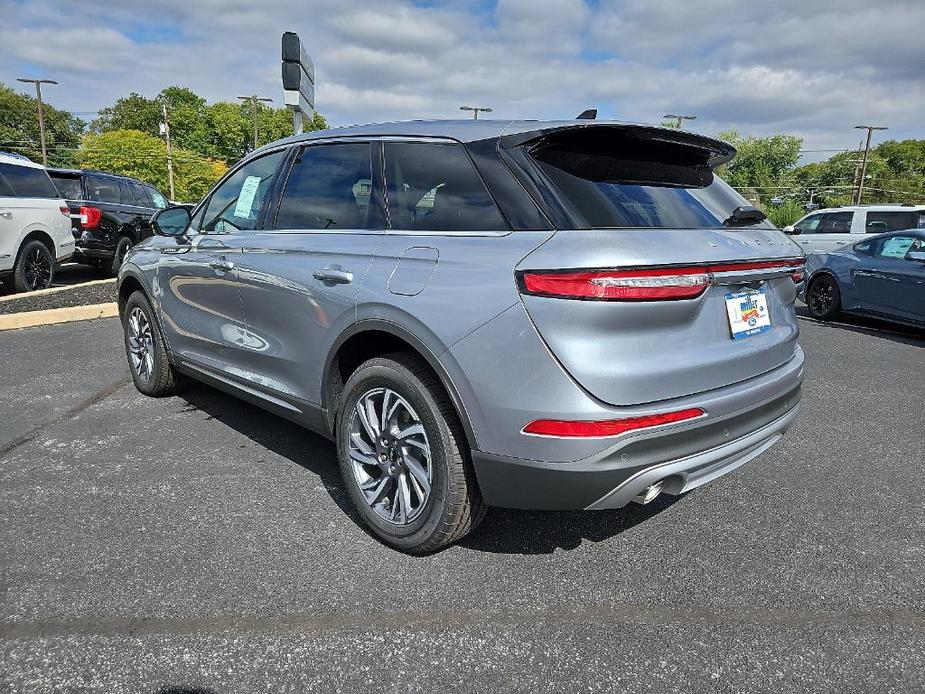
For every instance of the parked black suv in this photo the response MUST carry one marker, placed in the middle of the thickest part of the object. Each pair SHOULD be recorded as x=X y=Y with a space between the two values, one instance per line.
x=109 y=214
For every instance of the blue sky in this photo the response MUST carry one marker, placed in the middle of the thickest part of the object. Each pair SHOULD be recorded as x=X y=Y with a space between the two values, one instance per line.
x=813 y=69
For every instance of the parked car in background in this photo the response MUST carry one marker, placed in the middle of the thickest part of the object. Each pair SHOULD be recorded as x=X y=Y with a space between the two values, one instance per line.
x=536 y=315
x=830 y=228
x=882 y=276
x=35 y=225
x=110 y=214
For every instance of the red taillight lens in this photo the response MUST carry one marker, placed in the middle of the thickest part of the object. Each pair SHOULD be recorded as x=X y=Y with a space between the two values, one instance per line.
x=90 y=217
x=65 y=210
x=798 y=276
x=647 y=284
x=619 y=285
x=608 y=427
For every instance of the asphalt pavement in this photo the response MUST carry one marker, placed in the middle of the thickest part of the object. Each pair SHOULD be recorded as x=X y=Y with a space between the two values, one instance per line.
x=196 y=544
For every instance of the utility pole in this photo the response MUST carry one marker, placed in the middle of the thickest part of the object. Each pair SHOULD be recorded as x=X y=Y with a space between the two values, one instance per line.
x=38 y=97
x=870 y=129
x=857 y=174
x=679 y=118
x=475 y=110
x=254 y=99
x=165 y=131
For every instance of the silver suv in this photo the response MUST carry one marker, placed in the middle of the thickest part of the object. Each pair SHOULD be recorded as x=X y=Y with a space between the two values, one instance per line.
x=535 y=315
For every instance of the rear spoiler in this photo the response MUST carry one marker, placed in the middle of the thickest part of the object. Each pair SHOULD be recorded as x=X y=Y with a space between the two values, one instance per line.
x=702 y=150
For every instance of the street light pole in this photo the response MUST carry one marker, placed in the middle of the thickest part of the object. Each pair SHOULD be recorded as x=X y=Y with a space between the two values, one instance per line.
x=165 y=128
x=254 y=99
x=475 y=110
x=679 y=118
x=870 y=129
x=38 y=97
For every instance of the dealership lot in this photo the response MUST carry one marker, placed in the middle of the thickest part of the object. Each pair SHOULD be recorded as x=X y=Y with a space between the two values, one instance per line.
x=199 y=544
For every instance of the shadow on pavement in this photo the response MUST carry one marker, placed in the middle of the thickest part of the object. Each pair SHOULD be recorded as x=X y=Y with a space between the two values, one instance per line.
x=287 y=439
x=506 y=531
x=502 y=531
x=871 y=326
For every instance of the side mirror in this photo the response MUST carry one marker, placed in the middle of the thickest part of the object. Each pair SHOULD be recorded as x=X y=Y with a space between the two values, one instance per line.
x=171 y=221
x=791 y=230
x=917 y=256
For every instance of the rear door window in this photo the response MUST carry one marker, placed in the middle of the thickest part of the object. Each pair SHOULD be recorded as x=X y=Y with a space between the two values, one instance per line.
x=28 y=181
x=809 y=225
x=835 y=223
x=134 y=194
x=328 y=187
x=879 y=222
x=104 y=189
x=435 y=187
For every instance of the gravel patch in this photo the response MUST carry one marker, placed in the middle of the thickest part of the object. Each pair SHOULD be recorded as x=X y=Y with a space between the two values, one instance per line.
x=78 y=295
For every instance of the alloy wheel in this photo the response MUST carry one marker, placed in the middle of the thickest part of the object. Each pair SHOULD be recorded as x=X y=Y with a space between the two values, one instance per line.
x=140 y=344
x=822 y=297
x=37 y=268
x=390 y=456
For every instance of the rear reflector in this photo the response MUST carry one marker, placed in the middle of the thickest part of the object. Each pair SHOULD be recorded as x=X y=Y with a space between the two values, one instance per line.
x=646 y=284
x=607 y=427
x=90 y=217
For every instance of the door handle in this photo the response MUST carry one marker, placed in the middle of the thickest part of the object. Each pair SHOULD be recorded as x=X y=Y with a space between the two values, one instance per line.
x=224 y=265
x=6 y=213
x=333 y=275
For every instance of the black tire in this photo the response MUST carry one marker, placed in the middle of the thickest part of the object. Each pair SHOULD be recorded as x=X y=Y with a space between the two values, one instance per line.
x=123 y=245
x=35 y=267
x=454 y=505
x=823 y=298
x=159 y=378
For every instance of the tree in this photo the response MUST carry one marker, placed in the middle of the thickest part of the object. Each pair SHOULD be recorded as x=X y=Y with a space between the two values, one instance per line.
x=144 y=156
x=762 y=165
x=19 y=128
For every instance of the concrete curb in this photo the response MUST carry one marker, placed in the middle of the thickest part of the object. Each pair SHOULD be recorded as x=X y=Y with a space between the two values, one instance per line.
x=54 y=290
x=30 y=319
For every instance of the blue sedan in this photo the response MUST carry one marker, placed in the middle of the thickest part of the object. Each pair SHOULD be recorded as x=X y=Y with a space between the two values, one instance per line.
x=882 y=276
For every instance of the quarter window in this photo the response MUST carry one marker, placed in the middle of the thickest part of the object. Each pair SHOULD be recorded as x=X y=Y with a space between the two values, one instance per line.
x=435 y=187
x=28 y=181
x=810 y=224
x=328 y=188
x=879 y=222
x=237 y=201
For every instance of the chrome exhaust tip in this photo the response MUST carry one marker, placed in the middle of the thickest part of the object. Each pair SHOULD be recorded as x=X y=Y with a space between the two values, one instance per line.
x=649 y=493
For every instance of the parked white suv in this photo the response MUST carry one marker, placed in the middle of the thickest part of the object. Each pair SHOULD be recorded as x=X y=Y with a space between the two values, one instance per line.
x=825 y=230
x=35 y=224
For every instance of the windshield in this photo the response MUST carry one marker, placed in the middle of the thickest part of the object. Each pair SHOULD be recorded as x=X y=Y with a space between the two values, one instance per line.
x=68 y=186
x=616 y=183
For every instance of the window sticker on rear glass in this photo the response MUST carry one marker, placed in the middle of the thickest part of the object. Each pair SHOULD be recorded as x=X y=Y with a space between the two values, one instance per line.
x=246 y=197
x=896 y=247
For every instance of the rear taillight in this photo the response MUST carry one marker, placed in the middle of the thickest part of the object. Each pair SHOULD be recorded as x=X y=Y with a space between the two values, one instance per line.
x=645 y=284
x=608 y=427
x=65 y=210
x=618 y=285
x=90 y=217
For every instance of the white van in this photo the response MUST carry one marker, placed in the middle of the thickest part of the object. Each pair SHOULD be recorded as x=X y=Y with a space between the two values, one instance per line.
x=35 y=225
x=825 y=230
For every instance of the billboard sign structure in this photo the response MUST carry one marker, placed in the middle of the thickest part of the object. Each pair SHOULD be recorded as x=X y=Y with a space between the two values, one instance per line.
x=298 y=80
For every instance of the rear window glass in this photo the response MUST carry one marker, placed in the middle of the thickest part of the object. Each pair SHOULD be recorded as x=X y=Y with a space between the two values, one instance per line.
x=160 y=202
x=28 y=182
x=68 y=186
x=617 y=180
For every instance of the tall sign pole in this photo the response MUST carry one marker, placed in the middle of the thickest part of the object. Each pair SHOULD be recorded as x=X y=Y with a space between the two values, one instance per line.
x=298 y=81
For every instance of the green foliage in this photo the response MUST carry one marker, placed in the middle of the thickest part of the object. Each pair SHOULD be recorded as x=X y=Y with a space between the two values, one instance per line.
x=19 y=128
x=223 y=130
x=144 y=156
x=761 y=163
x=785 y=213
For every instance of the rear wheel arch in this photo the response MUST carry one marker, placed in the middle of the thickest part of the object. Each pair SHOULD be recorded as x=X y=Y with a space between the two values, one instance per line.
x=372 y=338
x=38 y=235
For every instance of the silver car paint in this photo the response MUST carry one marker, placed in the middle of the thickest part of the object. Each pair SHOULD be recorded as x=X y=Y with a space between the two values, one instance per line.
x=268 y=325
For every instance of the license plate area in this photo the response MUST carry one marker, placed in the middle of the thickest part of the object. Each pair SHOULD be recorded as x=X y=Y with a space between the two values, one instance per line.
x=747 y=311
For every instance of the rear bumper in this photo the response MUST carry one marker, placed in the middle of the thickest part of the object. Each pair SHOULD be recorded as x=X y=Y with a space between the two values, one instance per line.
x=682 y=460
